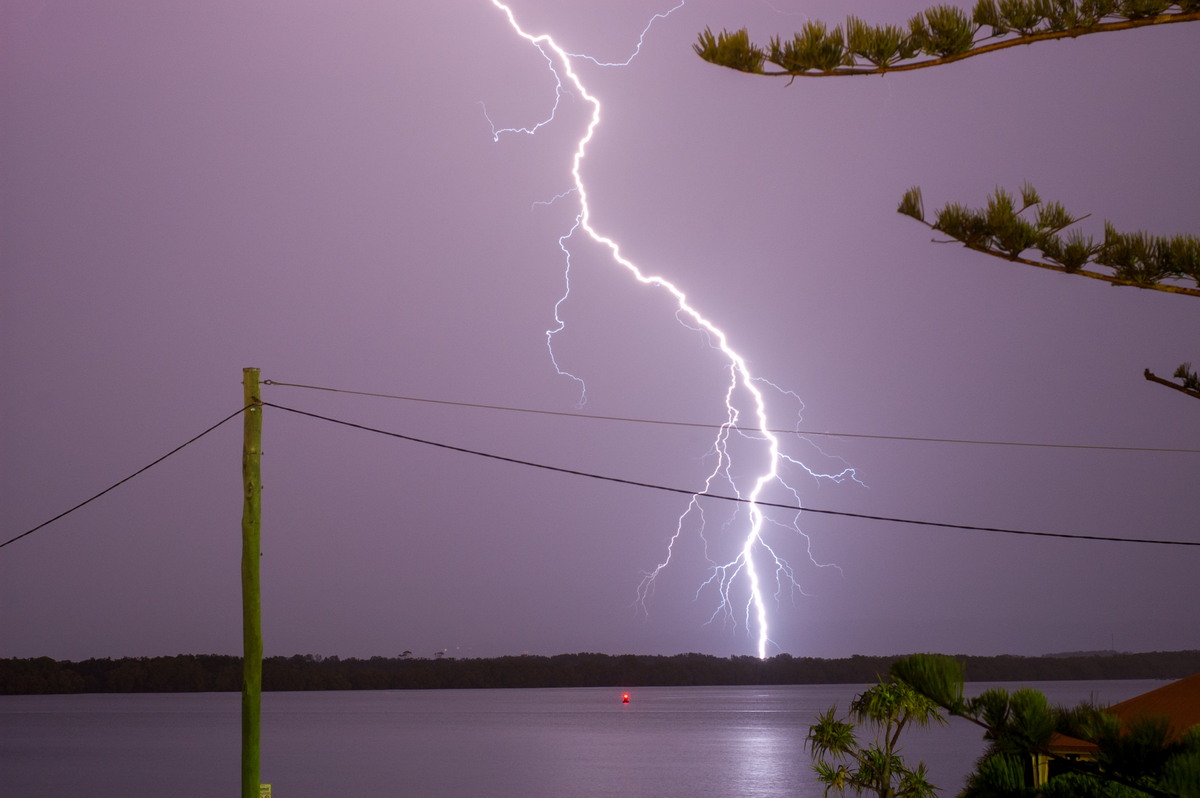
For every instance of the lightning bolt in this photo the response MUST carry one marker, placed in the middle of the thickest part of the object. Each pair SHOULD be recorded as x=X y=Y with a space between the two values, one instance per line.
x=746 y=418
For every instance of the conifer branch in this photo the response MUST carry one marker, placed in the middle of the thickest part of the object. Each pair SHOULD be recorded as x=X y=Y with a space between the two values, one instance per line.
x=1137 y=260
x=945 y=34
x=1192 y=390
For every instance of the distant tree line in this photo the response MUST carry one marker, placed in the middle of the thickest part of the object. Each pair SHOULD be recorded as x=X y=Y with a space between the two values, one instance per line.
x=187 y=673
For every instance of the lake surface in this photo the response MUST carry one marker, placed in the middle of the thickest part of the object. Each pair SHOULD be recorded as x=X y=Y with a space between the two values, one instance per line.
x=551 y=743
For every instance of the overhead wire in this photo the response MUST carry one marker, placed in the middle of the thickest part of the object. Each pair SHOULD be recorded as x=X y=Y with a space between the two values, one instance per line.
x=719 y=497
x=589 y=475
x=117 y=484
x=703 y=425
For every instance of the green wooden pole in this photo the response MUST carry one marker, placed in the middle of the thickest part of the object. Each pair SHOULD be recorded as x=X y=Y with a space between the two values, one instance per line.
x=252 y=647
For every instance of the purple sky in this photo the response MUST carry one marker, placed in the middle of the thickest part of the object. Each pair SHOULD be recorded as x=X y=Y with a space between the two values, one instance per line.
x=313 y=189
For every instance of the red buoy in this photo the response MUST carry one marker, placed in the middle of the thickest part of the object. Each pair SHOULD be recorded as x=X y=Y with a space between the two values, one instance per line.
x=625 y=698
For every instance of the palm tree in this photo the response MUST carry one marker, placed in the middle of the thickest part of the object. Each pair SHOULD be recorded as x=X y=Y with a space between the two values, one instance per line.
x=878 y=768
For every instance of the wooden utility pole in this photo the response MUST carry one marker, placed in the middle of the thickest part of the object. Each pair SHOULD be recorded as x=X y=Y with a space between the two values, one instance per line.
x=252 y=647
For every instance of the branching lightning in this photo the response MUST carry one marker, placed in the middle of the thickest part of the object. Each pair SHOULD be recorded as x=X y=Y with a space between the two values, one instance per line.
x=746 y=419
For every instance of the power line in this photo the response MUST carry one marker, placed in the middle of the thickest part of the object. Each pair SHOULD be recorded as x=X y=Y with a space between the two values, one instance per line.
x=718 y=426
x=126 y=479
x=739 y=499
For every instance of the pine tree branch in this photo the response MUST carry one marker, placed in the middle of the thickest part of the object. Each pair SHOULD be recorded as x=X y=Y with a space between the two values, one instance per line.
x=1054 y=267
x=987 y=230
x=750 y=59
x=1001 y=231
x=1155 y=378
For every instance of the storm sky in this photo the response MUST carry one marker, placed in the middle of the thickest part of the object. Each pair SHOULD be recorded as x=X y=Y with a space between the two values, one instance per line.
x=314 y=189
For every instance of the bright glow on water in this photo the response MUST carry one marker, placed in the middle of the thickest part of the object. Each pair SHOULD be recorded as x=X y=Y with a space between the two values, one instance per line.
x=565 y=743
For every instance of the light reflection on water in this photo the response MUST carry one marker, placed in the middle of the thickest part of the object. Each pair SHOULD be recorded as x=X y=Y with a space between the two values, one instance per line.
x=560 y=743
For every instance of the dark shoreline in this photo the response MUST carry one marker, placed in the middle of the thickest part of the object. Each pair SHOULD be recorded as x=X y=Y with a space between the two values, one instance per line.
x=219 y=672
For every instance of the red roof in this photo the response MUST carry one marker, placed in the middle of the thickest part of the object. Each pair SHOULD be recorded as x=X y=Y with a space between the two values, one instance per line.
x=1178 y=702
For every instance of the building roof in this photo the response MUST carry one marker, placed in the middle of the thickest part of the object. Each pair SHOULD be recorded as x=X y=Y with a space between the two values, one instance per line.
x=1178 y=702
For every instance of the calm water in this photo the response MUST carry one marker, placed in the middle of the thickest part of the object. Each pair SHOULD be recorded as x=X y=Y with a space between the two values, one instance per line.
x=554 y=743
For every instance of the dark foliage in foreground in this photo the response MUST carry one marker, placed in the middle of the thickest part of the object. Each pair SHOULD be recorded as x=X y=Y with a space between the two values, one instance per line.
x=215 y=672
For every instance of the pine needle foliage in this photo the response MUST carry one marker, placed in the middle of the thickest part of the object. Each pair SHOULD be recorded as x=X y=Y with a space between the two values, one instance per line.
x=733 y=50
x=812 y=48
x=939 y=34
x=944 y=34
x=881 y=45
x=1189 y=378
x=1008 y=229
x=943 y=31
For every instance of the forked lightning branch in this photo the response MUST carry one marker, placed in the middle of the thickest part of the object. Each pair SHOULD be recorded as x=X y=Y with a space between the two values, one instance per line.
x=752 y=561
